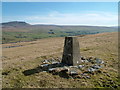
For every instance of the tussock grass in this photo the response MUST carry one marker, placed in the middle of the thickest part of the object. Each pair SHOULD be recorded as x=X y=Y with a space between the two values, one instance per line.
x=29 y=57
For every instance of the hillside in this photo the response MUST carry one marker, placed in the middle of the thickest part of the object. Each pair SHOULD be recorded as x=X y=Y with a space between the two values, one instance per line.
x=17 y=31
x=19 y=57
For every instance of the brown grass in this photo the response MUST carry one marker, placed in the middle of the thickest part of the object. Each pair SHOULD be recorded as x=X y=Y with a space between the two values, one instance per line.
x=29 y=56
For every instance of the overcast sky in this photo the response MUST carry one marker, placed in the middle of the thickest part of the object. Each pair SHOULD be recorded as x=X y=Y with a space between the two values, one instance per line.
x=62 y=13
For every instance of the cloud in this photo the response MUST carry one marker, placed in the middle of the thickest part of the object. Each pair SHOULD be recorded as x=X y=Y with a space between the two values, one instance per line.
x=99 y=19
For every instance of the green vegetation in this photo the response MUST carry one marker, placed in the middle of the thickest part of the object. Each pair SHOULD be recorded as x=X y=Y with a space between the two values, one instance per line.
x=11 y=37
x=22 y=31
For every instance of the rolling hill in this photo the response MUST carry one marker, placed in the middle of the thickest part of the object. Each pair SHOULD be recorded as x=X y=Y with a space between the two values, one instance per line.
x=17 y=31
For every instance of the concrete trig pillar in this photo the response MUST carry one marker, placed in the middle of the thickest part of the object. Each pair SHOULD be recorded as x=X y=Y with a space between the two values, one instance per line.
x=71 y=53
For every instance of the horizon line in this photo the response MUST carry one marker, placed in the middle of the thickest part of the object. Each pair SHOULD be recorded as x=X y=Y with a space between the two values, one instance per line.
x=61 y=24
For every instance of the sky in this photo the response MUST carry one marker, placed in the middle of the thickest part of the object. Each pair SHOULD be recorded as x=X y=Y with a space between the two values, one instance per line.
x=60 y=0
x=62 y=13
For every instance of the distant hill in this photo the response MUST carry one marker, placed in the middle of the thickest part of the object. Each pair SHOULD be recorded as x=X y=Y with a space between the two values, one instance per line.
x=15 y=24
x=8 y=26
x=22 y=31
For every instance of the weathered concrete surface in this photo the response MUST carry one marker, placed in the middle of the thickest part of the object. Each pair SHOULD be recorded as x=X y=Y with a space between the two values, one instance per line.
x=71 y=53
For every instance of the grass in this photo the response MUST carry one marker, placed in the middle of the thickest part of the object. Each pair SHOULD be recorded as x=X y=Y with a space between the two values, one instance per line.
x=84 y=49
x=29 y=57
x=12 y=37
x=20 y=36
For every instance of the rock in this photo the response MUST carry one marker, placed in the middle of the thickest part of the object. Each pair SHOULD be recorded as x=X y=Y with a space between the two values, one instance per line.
x=78 y=76
x=88 y=77
x=83 y=58
x=44 y=65
x=44 y=71
x=64 y=70
x=58 y=69
x=73 y=72
x=99 y=61
x=73 y=66
x=96 y=66
x=51 y=60
x=102 y=62
x=91 y=69
x=84 y=61
x=89 y=60
x=80 y=66
x=51 y=70
x=88 y=67
x=55 y=62
x=84 y=74
x=45 y=61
